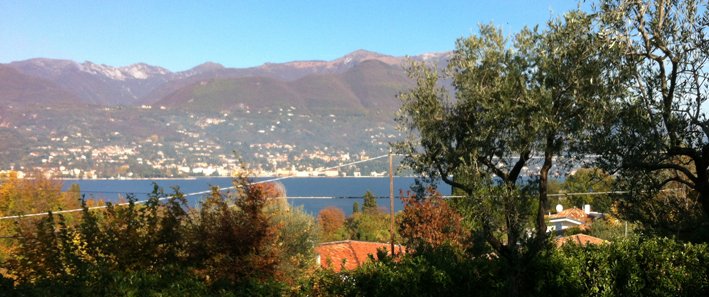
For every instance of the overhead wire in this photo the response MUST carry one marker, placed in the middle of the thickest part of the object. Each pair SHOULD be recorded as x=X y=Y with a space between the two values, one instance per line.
x=184 y=195
x=265 y=181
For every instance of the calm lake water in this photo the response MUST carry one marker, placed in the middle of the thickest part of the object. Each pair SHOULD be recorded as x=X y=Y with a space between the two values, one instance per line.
x=341 y=192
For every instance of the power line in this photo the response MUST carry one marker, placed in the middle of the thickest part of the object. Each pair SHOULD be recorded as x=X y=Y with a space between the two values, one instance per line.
x=284 y=177
x=185 y=195
x=603 y=193
x=272 y=180
x=588 y=193
x=113 y=192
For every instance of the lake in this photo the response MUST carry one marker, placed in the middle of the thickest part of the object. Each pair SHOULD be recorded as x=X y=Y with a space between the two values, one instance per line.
x=340 y=192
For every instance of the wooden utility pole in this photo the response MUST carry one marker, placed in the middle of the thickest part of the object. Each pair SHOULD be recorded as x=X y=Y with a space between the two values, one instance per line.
x=391 y=201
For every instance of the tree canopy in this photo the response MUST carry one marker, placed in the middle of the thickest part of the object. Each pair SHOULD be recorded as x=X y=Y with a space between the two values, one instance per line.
x=519 y=103
x=660 y=133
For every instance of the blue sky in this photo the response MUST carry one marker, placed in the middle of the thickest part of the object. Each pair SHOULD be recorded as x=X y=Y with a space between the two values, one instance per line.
x=182 y=34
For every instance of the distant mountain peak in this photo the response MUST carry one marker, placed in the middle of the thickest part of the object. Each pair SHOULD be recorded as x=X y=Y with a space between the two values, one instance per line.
x=100 y=69
x=143 y=71
x=434 y=55
x=362 y=55
x=52 y=64
x=207 y=66
x=139 y=71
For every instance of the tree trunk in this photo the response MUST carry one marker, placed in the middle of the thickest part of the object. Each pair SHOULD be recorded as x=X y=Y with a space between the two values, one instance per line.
x=515 y=275
x=513 y=282
x=543 y=188
x=703 y=189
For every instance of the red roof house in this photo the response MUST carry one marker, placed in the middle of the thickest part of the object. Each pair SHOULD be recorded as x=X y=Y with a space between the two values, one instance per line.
x=349 y=254
x=571 y=213
x=580 y=239
x=570 y=218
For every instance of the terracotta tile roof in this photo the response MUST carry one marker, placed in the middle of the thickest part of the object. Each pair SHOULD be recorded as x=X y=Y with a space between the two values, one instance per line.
x=571 y=213
x=355 y=253
x=580 y=239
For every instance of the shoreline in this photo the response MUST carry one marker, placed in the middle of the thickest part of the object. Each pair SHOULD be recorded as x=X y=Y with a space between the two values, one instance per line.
x=224 y=177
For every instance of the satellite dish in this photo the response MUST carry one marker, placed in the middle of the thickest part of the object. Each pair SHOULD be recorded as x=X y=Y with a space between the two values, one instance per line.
x=559 y=208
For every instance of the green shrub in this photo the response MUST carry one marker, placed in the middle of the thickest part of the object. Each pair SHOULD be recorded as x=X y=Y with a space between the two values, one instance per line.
x=637 y=267
x=440 y=272
x=634 y=267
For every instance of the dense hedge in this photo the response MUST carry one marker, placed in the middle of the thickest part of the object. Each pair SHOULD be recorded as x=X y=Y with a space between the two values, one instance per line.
x=632 y=267
x=652 y=267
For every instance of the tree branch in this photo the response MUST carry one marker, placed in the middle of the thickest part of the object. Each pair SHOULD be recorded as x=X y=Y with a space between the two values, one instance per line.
x=523 y=158
x=493 y=241
x=676 y=179
x=676 y=151
x=681 y=169
x=444 y=177
x=495 y=170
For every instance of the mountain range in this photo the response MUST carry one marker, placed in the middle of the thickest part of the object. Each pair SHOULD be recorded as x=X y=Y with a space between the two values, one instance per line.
x=359 y=81
x=87 y=119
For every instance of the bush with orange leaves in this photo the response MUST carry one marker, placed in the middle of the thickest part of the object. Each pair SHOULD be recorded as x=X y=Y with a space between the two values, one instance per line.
x=428 y=223
x=250 y=235
x=331 y=220
x=236 y=240
x=34 y=194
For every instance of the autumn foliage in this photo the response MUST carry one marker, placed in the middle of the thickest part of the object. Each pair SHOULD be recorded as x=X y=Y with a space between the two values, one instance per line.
x=430 y=222
x=237 y=242
x=269 y=190
x=331 y=219
x=242 y=240
x=34 y=193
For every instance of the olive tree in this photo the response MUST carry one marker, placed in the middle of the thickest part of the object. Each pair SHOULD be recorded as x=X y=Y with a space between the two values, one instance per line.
x=515 y=102
x=659 y=138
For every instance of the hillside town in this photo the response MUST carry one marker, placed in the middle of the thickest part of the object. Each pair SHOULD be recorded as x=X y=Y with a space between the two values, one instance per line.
x=193 y=144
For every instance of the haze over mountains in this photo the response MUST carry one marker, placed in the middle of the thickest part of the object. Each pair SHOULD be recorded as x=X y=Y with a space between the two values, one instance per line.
x=359 y=80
